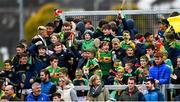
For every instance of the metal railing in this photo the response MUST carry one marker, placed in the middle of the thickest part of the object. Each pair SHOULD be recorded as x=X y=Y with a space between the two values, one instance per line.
x=145 y=20
x=163 y=88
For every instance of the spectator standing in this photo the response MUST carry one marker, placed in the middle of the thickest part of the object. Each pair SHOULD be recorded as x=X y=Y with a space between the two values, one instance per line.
x=131 y=93
x=97 y=92
x=160 y=72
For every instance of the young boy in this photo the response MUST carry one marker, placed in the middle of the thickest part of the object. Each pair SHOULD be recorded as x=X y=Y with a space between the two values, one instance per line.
x=8 y=74
x=106 y=28
x=128 y=72
x=88 y=42
x=41 y=60
x=130 y=56
x=80 y=81
x=117 y=51
x=105 y=61
x=54 y=69
x=142 y=72
x=126 y=42
x=19 y=49
x=25 y=75
x=92 y=62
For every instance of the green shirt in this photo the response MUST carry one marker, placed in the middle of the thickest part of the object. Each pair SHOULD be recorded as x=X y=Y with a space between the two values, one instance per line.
x=54 y=73
x=91 y=65
x=105 y=62
x=88 y=44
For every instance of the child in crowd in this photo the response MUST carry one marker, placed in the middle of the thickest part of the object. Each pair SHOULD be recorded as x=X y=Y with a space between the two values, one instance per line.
x=130 y=56
x=92 y=63
x=8 y=75
x=105 y=60
x=150 y=53
x=128 y=72
x=142 y=72
x=107 y=36
x=127 y=42
x=88 y=42
x=117 y=51
x=80 y=81
x=54 y=69
x=54 y=39
x=118 y=80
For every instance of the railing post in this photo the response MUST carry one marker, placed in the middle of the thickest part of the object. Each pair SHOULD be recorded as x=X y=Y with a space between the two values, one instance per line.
x=164 y=91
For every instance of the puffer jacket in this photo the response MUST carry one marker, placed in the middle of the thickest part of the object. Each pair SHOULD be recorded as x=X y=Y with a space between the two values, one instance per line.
x=160 y=72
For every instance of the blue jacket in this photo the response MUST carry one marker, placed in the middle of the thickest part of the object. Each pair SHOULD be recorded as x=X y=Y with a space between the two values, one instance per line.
x=41 y=97
x=154 y=95
x=46 y=87
x=160 y=72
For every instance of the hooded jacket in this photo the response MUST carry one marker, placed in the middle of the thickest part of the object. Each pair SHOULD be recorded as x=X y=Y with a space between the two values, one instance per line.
x=131 y=29
x=160 y=72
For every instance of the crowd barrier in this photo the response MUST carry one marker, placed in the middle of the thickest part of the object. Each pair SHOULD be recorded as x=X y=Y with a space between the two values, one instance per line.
x=163 y=88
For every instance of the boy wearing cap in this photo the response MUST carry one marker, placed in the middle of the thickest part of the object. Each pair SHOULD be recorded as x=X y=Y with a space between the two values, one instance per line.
x=88 y=41
x=160 y=71
x=92 y=63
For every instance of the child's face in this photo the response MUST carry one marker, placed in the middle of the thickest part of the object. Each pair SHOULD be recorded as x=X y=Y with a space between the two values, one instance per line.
x=150 y=38
x=115 y=45
x=90 y=54
x=149 y=51
x=58 y=48
x=143 y=62
x=19 y=50
x=106 y=47
x=158 y=60
x=24 y=60
x=56 y=99
x=86 y=71
x=49 y=30
x=130 y=52
x=178 y=62
x=66 y=28
x=127 y=67
x=7 y=66
x=106 y=31
x=42 y=51
x=54 y=39
x=126 y=36
x=87 y=36
x=54 y=62
x=119 y=74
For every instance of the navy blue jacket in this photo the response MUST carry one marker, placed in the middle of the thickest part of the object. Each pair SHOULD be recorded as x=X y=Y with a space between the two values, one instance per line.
x=41 y=97
x=160 y=72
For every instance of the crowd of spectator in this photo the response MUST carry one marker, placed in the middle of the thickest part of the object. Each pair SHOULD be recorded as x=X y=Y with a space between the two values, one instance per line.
x=74 y=53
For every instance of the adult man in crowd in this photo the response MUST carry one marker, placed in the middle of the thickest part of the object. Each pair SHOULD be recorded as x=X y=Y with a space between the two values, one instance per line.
x=153 y=93
x=131 y=93
x=36 y=94
x=10 y=93
x=47 y=87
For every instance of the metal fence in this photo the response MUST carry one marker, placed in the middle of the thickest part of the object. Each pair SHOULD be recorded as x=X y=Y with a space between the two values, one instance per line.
x=163 y=88
x=145 y=20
